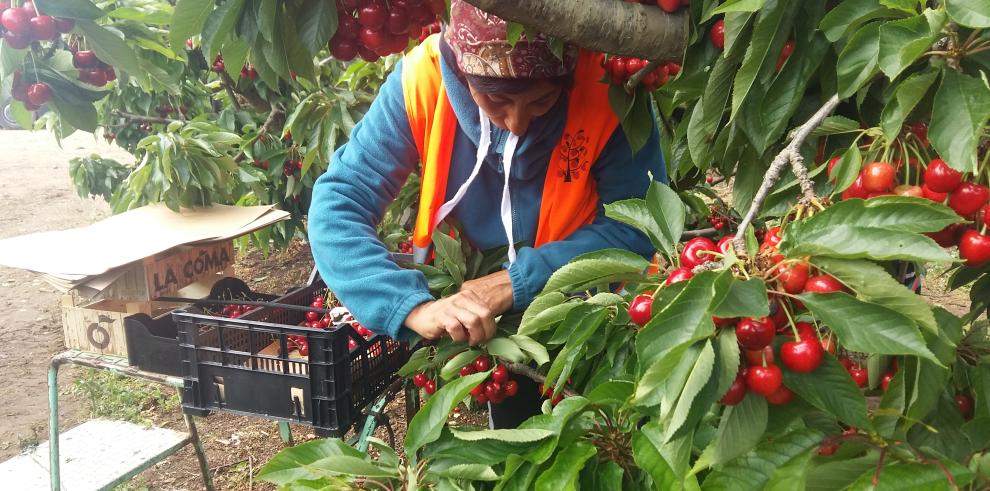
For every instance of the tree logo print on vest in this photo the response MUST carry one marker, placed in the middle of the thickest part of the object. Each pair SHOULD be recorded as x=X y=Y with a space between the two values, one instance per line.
x=573 y=156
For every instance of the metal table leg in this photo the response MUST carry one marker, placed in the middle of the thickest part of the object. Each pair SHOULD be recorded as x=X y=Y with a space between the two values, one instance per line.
x=54 y=470
x=204 y=467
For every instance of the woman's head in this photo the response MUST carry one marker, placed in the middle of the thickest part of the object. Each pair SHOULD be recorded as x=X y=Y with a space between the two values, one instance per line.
x=512 y=84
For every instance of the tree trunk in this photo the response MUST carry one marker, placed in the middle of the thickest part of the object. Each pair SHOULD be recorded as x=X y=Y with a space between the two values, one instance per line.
x=608 y=26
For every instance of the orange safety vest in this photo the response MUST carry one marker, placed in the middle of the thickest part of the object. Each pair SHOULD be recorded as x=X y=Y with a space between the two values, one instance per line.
x=570 y=197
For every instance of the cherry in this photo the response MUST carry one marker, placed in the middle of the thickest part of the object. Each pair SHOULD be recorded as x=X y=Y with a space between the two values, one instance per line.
x=84 y=59
x=482 y=363
x=678 y=275
x=398 y=21
x=724 y=321
x=500 y=374
x=634 y=65
x=920 y=130
x=669 y=6
x=755 y=334
x=348 y=28
x=43 y=28
x=785 y=53
x=928 y=193
x=510 y=388
x=756 y=358
x=878 y=176
x=986 y=215
x=945 y=237
x=367 y=54
x=303 y=348
x=64 y=25
x=764 y=380
x=831 y=167
x=352 y=345
x=349 y=6
x=968 y=198
x=724 y=244
x=974 y=247
x=717 y=34
x=846 y=362
x=478 y=390
x=806 y=330
x=793 y=277
x=430 y=387
x=965 y=405
x=373 y=16
x=17 y=21
x=802 y=356
x=673 y=69
x=941 y=178
x=859 y=375
x=17 y=41
x=467 y=370
x=343 y=49
x=828 y=344
x=312 y=316
x=781 y=396
x=822 y=284
x=493 y=390
x=856 y=190
x=696 y=252
x=885 y=380
x=419 y=380
x=641 y=309
x=909 y=190
x=736 y=392
x=828 y=449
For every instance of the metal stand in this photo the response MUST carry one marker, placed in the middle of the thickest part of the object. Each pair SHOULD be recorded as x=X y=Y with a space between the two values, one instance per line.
x=119 y=366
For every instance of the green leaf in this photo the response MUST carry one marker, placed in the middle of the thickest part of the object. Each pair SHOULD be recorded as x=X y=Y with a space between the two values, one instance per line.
x=110 y=47
x=701 y=373
x=868 y=327
x=909 y=6
x=872 y=283
x=219 y=25
x=838 y=474
x=595 y=269
x=426 y=426
x=299 y=462
x=848 y=167
x=452 y=368
x=902 y=42
x=708 y=111
x=506 y=349
x=739 y=6
x=970 y=13
x=504 y=435
x=536 y=351
x=836 y=125
x=470 y=472
x=646 y=454
x=771 y=30
x=831 y=389
x=745 y=299
x=318 y=23
x=354 y=466
x=896 y=213
x=546 y=319
x=753 y=470
x=81 y=116
x=959 y=114
x=911 y=476
x=72 y=9
x=635 y=213
x=563 y=473
x=450 y=253
x=849 y=15
x=740 y=429
x=908 y=94
x=858 y=60
x=613 y=391
x=879 y=244
x=668 y=212
x=188 y=20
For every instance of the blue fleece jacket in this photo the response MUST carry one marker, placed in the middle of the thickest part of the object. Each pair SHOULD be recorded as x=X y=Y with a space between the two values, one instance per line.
x=367 y=173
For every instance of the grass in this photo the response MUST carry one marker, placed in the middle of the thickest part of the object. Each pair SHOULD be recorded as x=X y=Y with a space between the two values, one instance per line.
x=121 y=398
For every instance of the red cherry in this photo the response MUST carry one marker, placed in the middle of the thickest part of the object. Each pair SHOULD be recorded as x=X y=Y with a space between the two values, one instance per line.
x=965 y=405
x=968 y=198
x=634 y=65
x=831 y=167
x=673 y=69
x=827 y=449
x=793 y=277
x=878 y=176
x=669 y=6
x=43 y=28
x=84 y=59
x=493 y=390
x=398 y=21
x=755 y=334
x=941 y=178
x=467 y=370
x=367 y=54
x=678 y=275
x=348 y=28
x=724 y=321
x=696 y=252
x=885 y=380
x=772 y=237
x=920 y=130
x=724 y=244
x=17 y=21
x=828 y=344
x=343 y=49
x=859 y=375
x=822 y=284
x=500 y=374
x=909 y=190
x=16 y=41
x=945 y=237
x=38 y=94
x=757 y=358
x=764 y=380
x=717 y=34
x=617 y=68
x=806 y=330
x=419 y=380
x=352 y=345
x=974 y=247
x=781 y=396
x=785 y=53
x=802 y=356
x=928 y=193
x=312 y=316
x=482 y=363
x=63 y=25
x=736 y=392
x=430 y=387
x=511 y=387
x=856 y=190
x=372 y=16
x=640 y=309
x=304 y=348
x=986 y=215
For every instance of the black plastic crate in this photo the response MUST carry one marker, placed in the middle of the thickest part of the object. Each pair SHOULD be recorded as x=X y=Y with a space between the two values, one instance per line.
x=152 y=342
x=246 y=366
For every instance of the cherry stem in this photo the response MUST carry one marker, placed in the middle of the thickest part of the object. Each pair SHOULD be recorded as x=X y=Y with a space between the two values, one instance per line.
x=876 y=474
x=790 y=320
x=638 y=77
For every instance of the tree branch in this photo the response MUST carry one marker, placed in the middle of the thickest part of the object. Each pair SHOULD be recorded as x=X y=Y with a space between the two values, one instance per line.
x=228 y=84
x=529 y=372
x=607 y=26
x=137 y=118
x=638 y=77
x=787 y=155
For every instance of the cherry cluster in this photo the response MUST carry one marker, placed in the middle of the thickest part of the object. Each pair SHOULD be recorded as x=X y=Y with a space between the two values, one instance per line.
x=375 y=28
x=621 y=68
x=291 y=166
x=21 y=26
x=92 y=70
x=718 y=218
x=497 y=387
x=32 y=95
x=716 y=34
x=406 y=247
x=940 y=183
x=669 y=6
x=235 y=311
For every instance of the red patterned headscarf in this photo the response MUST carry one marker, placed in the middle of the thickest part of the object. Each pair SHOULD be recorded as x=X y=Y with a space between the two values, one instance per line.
x=478 y=40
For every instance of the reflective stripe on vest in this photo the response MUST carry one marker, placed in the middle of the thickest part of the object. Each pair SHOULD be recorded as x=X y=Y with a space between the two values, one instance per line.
x=570 y=197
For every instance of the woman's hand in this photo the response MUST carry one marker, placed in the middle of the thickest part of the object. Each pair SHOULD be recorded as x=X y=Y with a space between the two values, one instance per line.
x=495 y=289
x=464 y=316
